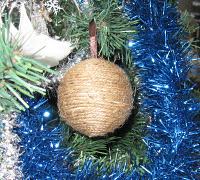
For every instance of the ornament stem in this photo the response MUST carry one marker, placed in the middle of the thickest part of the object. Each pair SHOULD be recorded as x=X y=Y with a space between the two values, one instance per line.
x=93 y=38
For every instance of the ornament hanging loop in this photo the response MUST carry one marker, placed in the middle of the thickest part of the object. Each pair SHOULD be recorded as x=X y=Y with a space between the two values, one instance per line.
x=93 y=38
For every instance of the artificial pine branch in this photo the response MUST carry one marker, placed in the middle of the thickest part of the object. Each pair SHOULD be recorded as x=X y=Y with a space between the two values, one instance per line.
x=125 y=148
x=19 y=75
x=113 y=29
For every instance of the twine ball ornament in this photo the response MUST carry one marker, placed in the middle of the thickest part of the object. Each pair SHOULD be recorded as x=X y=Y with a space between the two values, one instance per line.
x=95 y=97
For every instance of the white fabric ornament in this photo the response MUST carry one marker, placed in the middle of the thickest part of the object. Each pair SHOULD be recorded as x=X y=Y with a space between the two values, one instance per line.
x=39 y=46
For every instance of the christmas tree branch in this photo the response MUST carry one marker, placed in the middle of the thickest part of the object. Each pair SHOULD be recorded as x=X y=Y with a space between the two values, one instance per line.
x=19 y=75
x=113 y=29
x=120 y=149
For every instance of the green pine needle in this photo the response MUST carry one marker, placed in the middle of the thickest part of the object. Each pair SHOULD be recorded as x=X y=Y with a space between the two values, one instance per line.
x=19 y=75
x=113 y=29
x=123 y=148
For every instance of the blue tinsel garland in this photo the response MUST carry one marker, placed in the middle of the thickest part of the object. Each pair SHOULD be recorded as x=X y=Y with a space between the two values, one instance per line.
x=162 y=57
x=42 y=154
x=41 y=135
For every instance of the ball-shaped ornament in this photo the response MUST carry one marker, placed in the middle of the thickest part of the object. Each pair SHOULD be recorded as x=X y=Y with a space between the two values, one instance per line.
x=95 y=97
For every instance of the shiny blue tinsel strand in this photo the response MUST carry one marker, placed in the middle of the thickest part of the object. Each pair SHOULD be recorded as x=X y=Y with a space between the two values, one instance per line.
x=162 y=57
x=84 y=5
x=42 y=154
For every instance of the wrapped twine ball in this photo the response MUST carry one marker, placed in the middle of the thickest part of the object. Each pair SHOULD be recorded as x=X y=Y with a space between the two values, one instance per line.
x=95 y=97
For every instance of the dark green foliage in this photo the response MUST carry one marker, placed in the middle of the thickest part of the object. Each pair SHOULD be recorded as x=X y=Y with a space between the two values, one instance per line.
x=124 y=147
x=113 y=29
x=173 y=1
x=196 y=93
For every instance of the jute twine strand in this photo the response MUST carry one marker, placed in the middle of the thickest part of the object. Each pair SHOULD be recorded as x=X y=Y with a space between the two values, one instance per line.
x=95 y=97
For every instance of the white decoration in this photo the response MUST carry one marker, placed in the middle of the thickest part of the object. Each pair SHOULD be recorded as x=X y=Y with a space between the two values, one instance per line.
x=52 y=6
x=38 y=46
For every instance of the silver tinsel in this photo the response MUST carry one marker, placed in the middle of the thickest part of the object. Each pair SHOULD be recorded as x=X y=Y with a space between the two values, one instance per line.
x=63 y=67
x=9 y=150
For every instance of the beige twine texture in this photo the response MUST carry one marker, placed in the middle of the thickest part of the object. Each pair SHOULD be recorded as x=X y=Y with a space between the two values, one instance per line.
x=95 y=97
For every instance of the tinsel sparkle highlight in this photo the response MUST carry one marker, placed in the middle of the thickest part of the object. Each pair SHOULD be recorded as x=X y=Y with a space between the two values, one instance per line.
x=41 y=136
x=43 y=156
x=163 y=57
x=9 y=151
x=83 y=4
